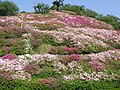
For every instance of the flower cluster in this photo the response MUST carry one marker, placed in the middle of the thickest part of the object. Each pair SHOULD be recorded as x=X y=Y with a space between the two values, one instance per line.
x=88 y=77
x=75 y=57
x=96 y=65
x=69 y=49
x=8 y=57
x=107 y=55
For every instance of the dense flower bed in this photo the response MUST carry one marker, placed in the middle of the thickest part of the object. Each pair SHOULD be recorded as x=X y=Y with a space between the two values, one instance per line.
x=57 y=48
x=53 y=19
x=22 y=64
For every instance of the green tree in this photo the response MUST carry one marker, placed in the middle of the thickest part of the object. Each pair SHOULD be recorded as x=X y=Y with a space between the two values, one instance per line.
x=42 y=8
x=58 y=4
x=8 y=8
x=90 y=13
x=110 y=19
x=74 y=8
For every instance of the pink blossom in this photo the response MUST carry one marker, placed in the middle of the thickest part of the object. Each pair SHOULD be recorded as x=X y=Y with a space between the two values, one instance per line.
x=96 y=65
x=8 y=56
x=75 y=57
x=69 y=49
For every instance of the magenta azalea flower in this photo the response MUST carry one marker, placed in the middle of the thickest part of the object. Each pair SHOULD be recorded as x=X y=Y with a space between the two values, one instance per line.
x=8 y=56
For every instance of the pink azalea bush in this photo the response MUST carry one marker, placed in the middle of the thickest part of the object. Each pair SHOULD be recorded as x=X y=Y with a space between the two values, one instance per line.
x=75 y=57
x=69 y=49
x=96 y=65
x=8 y=56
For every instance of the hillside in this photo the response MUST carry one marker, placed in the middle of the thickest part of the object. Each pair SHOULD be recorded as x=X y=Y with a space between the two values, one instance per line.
x=58 y=50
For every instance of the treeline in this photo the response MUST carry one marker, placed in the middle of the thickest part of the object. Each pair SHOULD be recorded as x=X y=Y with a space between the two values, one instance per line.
x=8 y=8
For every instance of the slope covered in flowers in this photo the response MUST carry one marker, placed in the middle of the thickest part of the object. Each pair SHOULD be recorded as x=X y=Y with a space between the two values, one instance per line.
x=58 y=47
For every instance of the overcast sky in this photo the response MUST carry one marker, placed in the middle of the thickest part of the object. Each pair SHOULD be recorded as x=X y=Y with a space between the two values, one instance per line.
x=111 y=7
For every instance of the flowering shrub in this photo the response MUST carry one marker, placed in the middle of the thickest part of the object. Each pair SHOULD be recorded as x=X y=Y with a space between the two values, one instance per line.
x=32 y=69
x=63 y=50
x=8 y=56
x=106 y=55
x=6 y=75
x=46 y=81
x=66 y=59
x=75 y=57
x=96 y=65
x=53 y=50
x=69 y=49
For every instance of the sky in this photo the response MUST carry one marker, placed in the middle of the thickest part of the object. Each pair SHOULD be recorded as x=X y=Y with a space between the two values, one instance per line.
x=103 y=7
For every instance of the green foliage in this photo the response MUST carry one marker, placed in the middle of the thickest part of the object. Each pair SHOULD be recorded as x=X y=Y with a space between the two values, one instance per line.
x=77 y=9
x=89 y=85
x=35 y=84
x=42 y=8
x=113 y=67
x=116 y=45
x=43 y=48
x=47 y=26
x=23 y=12
x=8 y=8
x=70 y=12
x=110 y=19
x=92 y=49
x=11 y=41
x=90 y=13
x=47 y=39
x=57 y=4
x=22 y=85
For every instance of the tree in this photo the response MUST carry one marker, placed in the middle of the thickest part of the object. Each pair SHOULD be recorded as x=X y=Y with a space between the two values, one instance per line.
x=112 y=20
x=8 y=8
x=90 y=13
x=42 y=8
x=58 y=4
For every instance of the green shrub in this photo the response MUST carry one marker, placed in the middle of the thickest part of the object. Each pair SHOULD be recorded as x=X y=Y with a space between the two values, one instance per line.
x=36 y=84
x=8 y=8
x=22 y=85
x=92 y=49
x=89 y=85
x=116 y=45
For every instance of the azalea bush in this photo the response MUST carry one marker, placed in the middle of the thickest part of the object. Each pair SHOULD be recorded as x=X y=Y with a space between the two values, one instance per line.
x=63 y=50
